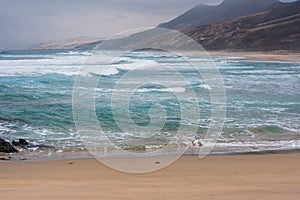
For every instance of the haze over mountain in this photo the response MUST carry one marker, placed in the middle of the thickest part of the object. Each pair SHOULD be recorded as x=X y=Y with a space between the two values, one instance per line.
x=67 y=44
x=241 y=25
x=204 y=14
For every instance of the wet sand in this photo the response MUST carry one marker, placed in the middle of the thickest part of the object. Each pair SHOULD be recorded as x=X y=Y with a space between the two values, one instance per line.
x=265 y=176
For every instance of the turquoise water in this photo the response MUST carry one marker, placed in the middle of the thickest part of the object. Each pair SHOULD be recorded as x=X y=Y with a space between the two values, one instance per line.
x=263 y=101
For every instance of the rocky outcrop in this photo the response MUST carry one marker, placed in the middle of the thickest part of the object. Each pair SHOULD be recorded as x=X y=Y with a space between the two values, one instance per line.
x=6 y=147
x=20 y=143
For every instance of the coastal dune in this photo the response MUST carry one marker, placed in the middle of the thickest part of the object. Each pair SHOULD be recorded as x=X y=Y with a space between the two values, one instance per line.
x=259 y=176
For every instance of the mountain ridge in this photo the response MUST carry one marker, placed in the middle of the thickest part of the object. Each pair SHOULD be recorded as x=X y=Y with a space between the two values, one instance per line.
x=204 y=14
x=275 y=29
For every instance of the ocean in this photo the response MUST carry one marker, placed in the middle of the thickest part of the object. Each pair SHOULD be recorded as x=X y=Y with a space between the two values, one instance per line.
x=36 y=90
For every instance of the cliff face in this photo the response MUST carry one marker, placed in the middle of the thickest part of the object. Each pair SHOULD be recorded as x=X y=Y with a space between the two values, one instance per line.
x=204 y=15
x=277 y=28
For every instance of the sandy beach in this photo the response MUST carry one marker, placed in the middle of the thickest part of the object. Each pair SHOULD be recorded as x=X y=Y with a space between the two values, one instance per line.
x=269 y=176
x=150 y=87
x=263 y=56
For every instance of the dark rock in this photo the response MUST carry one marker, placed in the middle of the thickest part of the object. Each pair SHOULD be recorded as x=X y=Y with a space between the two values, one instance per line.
x=23 y=142
x=20 y=143
x=5 y=159
x=15 y=143
x=6 y=147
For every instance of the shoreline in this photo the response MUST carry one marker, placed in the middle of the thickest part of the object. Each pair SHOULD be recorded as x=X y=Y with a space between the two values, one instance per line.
x=262 y=176
x=260 y=56
x=191 y=152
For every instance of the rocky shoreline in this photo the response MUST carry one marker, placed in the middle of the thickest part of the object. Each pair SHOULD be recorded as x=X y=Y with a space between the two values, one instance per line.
x=10 y=150
x=7 y=147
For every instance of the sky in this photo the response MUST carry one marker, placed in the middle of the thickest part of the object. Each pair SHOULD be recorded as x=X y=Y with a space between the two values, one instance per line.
x=27 y=22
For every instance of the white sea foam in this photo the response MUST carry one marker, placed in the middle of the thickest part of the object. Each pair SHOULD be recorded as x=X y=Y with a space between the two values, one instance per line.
x=230 y=67
x=175 y=90
x=245 y=110
x=66 y=66
x=104 y=71
x=259 y=72
x=260 y=145
x=72 y=53
x=204 y=86
x=113 y=69
x=137 y=64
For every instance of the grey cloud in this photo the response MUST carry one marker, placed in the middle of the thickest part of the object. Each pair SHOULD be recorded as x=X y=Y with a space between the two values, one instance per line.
x=24 y=22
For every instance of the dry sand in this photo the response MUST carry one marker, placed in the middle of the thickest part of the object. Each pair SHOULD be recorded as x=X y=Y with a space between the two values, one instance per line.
x=264 y=56
x=271 y=176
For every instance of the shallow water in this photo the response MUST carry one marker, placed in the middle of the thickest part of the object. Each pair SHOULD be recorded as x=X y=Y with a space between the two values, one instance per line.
x=263 y=101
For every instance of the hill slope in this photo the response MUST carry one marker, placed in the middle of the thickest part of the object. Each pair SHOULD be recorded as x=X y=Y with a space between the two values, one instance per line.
x=67 y=44
x=204 y=15
x=277 y=28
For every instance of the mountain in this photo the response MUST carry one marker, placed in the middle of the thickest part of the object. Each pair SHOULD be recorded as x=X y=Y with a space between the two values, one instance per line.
x=236 y=25
x=67 y=44
x=276 y=28
x=204 y=15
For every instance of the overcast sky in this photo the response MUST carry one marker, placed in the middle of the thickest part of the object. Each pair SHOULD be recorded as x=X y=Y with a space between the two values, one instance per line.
x=27 y=22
